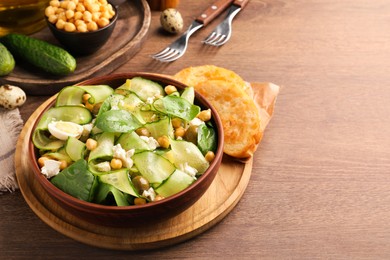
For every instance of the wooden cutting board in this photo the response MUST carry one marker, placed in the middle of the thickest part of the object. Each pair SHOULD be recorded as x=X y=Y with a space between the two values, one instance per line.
x=221 y=197
x=126 y=40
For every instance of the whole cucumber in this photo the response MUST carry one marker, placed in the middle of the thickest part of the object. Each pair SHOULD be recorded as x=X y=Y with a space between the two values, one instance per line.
x=7 y=62
x=39 y=53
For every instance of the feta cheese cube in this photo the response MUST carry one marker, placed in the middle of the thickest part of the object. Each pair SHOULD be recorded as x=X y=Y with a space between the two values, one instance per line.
x=50 y=168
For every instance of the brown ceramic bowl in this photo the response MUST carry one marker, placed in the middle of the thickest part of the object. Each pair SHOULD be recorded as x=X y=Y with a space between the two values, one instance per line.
x=84 y=43
x=134 y=215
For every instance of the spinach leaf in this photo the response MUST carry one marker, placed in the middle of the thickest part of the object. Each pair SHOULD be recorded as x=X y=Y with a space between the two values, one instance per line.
x=119 y=121
x=77 y=181
x=207 y=139
x=177 y=107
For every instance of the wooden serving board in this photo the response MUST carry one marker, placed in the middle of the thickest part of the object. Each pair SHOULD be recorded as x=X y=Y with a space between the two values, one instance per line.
x=126 y=40
x=221 y=197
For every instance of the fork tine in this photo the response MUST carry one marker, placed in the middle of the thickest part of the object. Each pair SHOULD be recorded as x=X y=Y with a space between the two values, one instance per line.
x=162 y=53
x=169 y=55
x=174 y=57
x=217 y=39
x=220 y=41
x=210 y=37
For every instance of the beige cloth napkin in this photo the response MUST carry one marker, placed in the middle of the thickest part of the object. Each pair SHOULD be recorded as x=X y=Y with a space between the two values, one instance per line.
x=11 y=124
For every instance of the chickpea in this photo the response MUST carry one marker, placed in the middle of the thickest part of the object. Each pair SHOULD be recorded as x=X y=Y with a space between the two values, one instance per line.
x=116 y=164
x=93 y=8
x=64 y=4
x=92 y=26
x=96 y=17
x=58 y=10
x=63 y=164
x=71 y=6
x=143 y=131
x=62 y=16
x=85 y=97
x=158 y=197
x=95 y=14
x=82 y=28
x=209 y=156
x=204 y=115
x=52 y=18
x=176 y=122
x=180 y=132
x=87 y=16
x=69 y=14
x=54 y=3
x=139 y=201
x=49 y=11
x=41 y=161
x=69 y=27
x=163 y=141
x=170 y=89
x=78 y=16
x=60 y=24
x=79 y=22
x=80 y=8
x=91 y=144
x=106 y=14
x=103 y=22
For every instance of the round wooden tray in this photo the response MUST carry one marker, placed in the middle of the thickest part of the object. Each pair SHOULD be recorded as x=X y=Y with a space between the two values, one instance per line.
x=126 y=40
x=223 y=194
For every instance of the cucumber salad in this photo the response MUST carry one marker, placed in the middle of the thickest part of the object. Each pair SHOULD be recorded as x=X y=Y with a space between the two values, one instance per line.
x=132 y=145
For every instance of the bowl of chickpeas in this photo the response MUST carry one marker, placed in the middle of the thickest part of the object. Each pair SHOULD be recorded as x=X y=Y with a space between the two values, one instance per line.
x=81 y=26
x=163 y=146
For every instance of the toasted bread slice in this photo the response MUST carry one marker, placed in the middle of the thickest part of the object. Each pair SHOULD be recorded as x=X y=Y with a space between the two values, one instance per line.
x=193 y=75
x=239 y=116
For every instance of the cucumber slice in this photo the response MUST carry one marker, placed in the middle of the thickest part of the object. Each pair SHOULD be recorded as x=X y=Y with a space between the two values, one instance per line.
x=60 y=155
x=76 y=114
x=153 y=167
x=75 y=148
x=104 y=147
x=177 y=182
x=187 y=152
x=119 y=179
x=73 y=95
x=160 y=128
x=42 y=142
x=132 y=141
x=189 y=94
x=105 y=190
x=69 y=96
x=131 y=102
x=98 y=92
x=143 y=88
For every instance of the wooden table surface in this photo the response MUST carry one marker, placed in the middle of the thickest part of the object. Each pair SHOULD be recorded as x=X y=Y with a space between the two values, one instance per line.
x=320 y=187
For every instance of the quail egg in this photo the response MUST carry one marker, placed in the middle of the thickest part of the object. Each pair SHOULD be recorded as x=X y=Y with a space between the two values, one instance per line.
x=64 y=129
x=171 y=20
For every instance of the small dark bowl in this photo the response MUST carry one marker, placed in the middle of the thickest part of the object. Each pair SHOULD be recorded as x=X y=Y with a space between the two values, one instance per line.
x=84 y=43
x=126 y=216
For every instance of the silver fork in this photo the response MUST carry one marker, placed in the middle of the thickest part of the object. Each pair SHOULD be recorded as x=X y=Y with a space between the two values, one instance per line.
x=178 y=47
x=222 y=33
